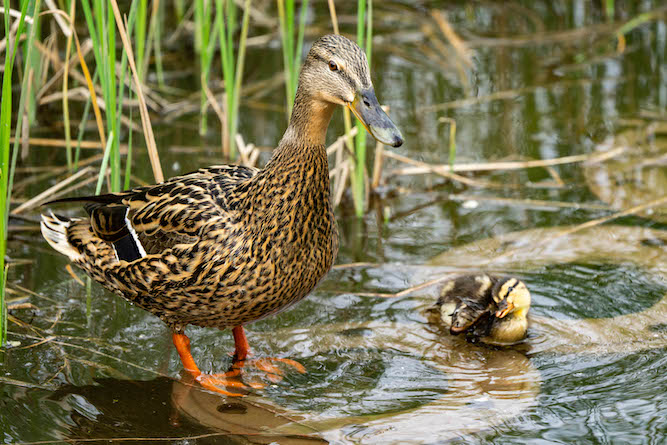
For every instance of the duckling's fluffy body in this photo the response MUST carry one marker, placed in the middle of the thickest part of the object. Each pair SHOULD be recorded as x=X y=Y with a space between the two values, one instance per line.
x=484 y=307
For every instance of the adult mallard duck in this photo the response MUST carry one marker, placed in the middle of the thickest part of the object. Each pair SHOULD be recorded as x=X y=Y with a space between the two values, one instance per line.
x=228 y=245
x=484 y=307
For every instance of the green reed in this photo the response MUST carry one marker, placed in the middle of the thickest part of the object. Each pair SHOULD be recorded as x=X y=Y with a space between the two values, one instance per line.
x=358 y=178
x=179 y=9
x=156 y=38
x=292 y=48
x=121 y=95
x=609 y=9
x=205 y=46
x=140 y=37
x=6 y=172
x=82 y=126
x=232 y=68
x=146 y=44
x=32 y=63
x=26 y=93
x=65 y=100
x=102 y=29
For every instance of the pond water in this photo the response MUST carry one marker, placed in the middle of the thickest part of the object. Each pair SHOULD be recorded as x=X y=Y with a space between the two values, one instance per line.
x=592 y=369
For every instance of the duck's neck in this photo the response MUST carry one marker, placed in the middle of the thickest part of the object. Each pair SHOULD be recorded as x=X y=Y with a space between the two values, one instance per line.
x=301 y=152
x=308 y=123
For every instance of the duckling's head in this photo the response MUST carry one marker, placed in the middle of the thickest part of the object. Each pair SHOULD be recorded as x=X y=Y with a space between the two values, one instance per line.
x=336 y=72
x=512 y=297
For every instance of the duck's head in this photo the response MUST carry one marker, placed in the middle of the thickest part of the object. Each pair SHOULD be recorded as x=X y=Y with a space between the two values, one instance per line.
x=512 y=297
x=336 y=72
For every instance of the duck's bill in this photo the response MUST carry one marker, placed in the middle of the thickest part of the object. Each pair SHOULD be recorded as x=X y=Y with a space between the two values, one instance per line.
x=369 y=112
x=504 y=310
x=456 y=330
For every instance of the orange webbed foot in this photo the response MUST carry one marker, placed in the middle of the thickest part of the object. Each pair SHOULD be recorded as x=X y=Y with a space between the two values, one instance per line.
x=243 y=375
x=268 y=366
x=233 y=379
x=221 y=383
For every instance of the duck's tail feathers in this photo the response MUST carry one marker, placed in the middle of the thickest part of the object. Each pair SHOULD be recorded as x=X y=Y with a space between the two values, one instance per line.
x=54 y=230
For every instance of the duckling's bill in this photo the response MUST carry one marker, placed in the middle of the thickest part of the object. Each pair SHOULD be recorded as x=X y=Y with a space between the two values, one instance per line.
x=369 y=112
x=504 y=308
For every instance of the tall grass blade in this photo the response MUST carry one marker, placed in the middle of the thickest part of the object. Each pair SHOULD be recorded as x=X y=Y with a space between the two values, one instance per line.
x=3 y=305
x=145 y=118
x=105 y=164
x=121 y=86
x=5 y=131
x=232 y=70
x=179 y=9
x=292 y=48
x=238 y=75
x=358 y=179
x=156 y=32
x=34 y=63
x=101 y=27
x=82 y=125
x=287 y=56
x=66 y=121
x=203 y=40
x=28 y=73
x=452 y=140
x=140 y=36
x=128 y=158
x=609 y=9
x=86 y=72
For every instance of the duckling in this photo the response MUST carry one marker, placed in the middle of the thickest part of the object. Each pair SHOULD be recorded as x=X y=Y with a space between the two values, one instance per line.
x=229 y=245
x=486 y=308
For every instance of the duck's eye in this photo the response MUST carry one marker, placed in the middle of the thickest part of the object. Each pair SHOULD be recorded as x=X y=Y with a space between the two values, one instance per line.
x=333 y=66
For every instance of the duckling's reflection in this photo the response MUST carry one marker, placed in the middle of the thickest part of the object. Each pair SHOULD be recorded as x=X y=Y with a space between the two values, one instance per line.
x=485 y=387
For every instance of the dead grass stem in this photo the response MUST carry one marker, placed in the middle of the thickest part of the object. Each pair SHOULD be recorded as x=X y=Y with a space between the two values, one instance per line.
x=37 y=200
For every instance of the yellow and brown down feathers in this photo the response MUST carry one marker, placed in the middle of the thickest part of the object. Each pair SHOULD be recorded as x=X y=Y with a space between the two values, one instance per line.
x=484 y=307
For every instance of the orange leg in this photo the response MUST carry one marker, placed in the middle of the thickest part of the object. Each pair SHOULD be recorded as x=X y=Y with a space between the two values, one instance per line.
x=241 y=346
x=182 y=343
x=242 y=352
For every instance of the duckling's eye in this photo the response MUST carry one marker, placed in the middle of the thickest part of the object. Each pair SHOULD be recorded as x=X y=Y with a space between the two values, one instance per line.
x=333 y=66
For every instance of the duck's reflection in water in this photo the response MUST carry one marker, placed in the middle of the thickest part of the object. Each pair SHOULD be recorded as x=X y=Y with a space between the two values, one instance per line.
x=171 y=411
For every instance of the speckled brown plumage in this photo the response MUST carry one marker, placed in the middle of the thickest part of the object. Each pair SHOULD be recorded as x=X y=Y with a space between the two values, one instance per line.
x=225 y=246
x=228 y=245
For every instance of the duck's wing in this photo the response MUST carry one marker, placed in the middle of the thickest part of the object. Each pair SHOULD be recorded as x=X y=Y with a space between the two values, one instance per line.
x=150 y=220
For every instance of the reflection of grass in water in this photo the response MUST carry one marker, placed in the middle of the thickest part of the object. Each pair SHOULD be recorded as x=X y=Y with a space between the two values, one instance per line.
x=594 y=290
